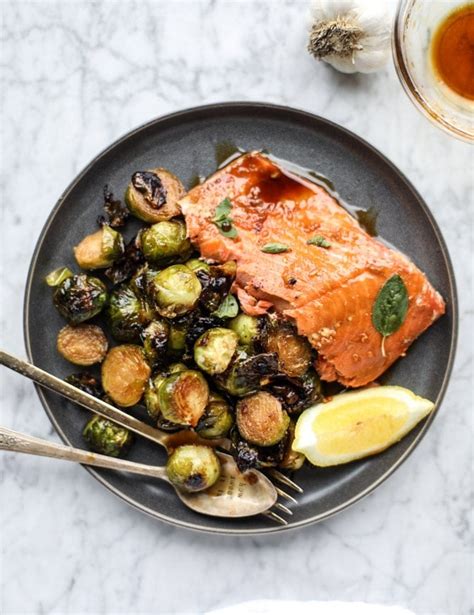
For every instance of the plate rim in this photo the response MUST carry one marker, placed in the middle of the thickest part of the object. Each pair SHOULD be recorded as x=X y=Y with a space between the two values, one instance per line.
x=301 y=113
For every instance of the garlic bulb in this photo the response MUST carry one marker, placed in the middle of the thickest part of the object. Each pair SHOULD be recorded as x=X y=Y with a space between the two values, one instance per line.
x=351 y=35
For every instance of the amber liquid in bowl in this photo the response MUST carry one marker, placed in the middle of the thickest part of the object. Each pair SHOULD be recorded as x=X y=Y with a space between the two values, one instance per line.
x=452 y=51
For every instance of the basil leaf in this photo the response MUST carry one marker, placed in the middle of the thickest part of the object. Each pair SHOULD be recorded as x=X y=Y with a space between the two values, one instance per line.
x=318 y=240
x=228 y=307
x=391 y=306
x=222 y=219
x=275 y=248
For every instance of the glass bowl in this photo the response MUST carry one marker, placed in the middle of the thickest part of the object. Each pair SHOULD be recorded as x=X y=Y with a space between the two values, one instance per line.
x=415 y=23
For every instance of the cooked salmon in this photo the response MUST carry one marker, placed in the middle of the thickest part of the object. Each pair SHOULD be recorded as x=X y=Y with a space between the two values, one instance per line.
x=328 y=292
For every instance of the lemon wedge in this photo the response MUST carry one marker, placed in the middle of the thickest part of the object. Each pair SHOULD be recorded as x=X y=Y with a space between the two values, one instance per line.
x=358 y=424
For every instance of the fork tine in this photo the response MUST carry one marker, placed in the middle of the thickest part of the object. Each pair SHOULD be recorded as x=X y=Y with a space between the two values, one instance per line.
x=283 y=508
x=285 y=495
x=285 y=480
x=274 y=517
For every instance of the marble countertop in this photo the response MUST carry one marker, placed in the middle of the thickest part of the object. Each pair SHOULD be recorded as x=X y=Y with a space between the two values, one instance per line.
x=77 y=75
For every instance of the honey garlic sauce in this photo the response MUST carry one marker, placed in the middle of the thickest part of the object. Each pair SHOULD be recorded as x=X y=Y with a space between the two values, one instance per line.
x=452 y=51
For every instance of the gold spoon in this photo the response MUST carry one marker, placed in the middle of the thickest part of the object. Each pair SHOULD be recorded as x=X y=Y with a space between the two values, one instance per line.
x=234 y=495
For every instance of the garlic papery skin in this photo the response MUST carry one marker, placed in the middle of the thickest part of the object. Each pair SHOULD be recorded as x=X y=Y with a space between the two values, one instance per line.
x=351 y=35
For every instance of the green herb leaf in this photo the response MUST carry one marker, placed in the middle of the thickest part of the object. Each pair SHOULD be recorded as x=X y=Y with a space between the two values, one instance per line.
x=391 y=306
x=275 y=248
x=222 y=219
x=229 y=308
x=318 y=240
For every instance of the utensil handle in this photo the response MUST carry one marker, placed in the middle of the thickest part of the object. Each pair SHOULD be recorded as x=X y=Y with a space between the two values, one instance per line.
x=22 y=443
x=80 y=397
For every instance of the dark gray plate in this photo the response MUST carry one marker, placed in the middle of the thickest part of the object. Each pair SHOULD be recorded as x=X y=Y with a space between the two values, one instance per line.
x=186 y=143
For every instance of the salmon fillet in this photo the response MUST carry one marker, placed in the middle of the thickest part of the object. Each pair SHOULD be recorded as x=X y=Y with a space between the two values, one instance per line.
x=328 y=293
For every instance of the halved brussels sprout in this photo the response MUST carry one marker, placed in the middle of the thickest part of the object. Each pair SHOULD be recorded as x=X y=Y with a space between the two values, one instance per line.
x=293 y=350
x=214 y=350
x=175 y=290
x=247 y=374
x=155 y=341
x=82 y=344
x=217 y=418
x=261 y=419
x=196 y=264
x=193 y=467
x=153 y=195
x=152 y=398
x=183 y=397
x=165 y=241
x=79 y=298
x=248 y=328
x=106 y=437
x=124 y=374
x=128 y=314
x=99 y=250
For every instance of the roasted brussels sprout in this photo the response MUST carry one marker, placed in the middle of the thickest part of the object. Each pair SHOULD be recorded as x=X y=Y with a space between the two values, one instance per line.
x=247 y=374
x=153 y=195
x=151 y=397
x=261 y=419
x=193 y=467
x=293 y=351
x=99 y=250
x=198 y=323
x=216 y=283
x=86 y=382
x=106 y=437
x=175 y=290
x=79 y=298
x=196 y=264
x=128 y=314
x=155 y=342
x=248 y=328
x=126 y=266
x=165 y=241
x=82 y=344
x=177 y=337
x=183 y=397
x=124 y=374
x=217 y=418
x=214 y=350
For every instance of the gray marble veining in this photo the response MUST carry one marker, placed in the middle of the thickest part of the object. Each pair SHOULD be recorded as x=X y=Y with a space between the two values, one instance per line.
x=75 y=76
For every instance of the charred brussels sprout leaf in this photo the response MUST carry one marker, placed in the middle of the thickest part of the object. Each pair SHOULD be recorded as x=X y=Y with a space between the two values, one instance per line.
x=165 y=241
x=106 y=437
x=86 y=382
x=216 y=283
x=126 y=266
x=79 y=298
x=198 y=323
x=57 y=277
x=297 y=394
x=153 y=195
x=99 y=250
x=248 y=328
x=214 y=350
x=249 y=456
x=217 y=418
x=196 y=264
x=261 y=419
x=183 y=397
x=117 y=214
x=175 y=290
x=128 y=314
x=155 y=342
x=248 y=373
x=125 y=374
x=193 y=467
